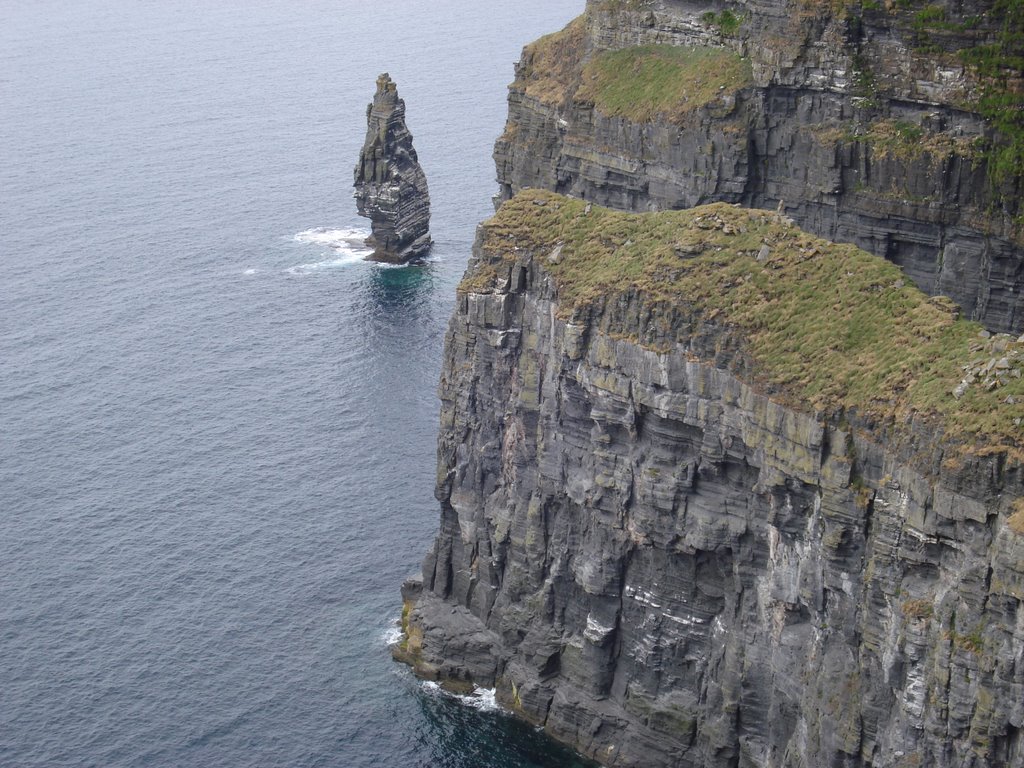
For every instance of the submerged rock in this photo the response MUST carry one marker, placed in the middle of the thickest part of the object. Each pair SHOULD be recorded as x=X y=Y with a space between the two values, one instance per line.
x=391 y=188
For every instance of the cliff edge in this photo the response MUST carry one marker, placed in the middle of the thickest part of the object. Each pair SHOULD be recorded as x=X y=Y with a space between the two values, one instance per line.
x=897 y=126
x=692 y=516
x=730 y=463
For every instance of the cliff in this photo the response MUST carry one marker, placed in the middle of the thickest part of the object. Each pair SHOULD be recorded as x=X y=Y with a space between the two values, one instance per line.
x=709 y=499
x=716 y=490
x=391 y=188
x=895 y=126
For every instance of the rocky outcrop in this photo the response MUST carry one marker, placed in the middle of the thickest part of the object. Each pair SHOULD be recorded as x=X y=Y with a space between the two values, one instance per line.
x=715 y=492
x=660 y=547
x=391 y=188
x=858 y=120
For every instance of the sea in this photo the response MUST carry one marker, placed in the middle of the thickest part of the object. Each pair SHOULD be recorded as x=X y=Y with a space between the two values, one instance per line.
x=217 y=420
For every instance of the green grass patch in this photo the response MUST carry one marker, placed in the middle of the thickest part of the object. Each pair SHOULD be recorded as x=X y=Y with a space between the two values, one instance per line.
x=909 y=141
x=996 y=59
x=999 y=65
x=727 y=22
x=972 y=642
x=645 y=82
x=929 y=16
x=639 y=83
x=828 y=327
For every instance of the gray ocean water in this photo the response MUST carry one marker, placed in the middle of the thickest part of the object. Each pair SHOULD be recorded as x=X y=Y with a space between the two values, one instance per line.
x=218 y=424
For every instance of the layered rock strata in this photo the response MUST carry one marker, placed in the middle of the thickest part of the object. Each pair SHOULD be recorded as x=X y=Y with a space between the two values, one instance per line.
x=391 y=188
x=859 y=120
x=667 y=549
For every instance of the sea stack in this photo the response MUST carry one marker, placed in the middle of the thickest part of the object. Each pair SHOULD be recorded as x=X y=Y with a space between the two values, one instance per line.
x=391 y=188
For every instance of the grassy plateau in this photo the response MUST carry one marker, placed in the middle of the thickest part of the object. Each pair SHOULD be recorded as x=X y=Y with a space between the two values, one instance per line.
x=640 y=83
x=828 y=326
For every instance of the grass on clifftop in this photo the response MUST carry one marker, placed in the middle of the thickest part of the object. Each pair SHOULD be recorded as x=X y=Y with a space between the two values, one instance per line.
x=829 y=326
x=638 y=83
x=552 y=63
x=642 y=83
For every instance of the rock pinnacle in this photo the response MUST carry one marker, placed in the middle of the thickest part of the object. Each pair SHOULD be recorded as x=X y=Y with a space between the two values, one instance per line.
x=391 y=188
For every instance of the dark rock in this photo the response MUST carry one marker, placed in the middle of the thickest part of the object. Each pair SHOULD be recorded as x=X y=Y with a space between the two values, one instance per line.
x=662 y=566
x=815 y=129
x=391 y=189
x=641 y=550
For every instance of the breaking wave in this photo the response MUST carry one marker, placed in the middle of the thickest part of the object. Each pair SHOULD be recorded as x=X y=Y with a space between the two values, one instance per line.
x=482 y=699
x=344 y=246
x=392 y=635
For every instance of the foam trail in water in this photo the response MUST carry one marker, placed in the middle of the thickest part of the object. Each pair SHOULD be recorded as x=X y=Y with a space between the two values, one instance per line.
x=392 y=635
x=333 y=238
x=347 y=246
x=483 y=699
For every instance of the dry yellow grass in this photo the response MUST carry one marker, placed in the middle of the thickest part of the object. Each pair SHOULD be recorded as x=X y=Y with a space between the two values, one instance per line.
x=552 y=64
x=1016 y=520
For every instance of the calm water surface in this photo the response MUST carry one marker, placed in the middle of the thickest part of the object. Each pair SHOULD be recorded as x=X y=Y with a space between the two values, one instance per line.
x=217 y=424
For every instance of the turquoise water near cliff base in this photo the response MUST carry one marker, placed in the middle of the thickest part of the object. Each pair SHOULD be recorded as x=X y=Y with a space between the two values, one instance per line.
x=217 y=424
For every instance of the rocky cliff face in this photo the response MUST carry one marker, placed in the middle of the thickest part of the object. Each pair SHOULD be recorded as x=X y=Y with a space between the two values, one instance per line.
x=391 y=188
x=662 y=543
x=861 y=120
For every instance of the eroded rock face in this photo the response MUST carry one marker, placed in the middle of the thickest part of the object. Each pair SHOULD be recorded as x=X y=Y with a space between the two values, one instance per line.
x=391 y=188
x=663 y=567
x=645 y=552
x=818 y=132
